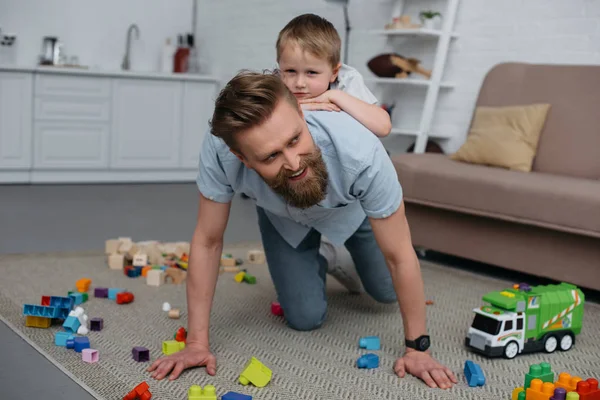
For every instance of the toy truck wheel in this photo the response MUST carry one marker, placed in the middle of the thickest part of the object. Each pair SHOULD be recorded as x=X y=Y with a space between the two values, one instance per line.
x=550 y=344
x=566 y=342
x=511 y=350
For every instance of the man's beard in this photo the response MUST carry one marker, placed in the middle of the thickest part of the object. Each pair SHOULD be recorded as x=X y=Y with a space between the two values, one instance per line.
x=310 y=190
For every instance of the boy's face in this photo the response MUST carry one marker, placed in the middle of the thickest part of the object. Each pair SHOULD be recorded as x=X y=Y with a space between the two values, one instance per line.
x=304 y=74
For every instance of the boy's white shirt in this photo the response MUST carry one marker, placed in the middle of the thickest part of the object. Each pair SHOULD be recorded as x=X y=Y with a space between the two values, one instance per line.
x=349 y=80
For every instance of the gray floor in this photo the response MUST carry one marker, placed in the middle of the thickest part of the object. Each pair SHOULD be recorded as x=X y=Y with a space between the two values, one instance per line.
x=40 y=218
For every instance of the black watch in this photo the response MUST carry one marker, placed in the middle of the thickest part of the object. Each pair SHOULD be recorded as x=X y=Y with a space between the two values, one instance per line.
x=421 y=343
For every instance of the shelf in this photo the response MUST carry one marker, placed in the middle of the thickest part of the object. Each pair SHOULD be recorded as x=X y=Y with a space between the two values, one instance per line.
x=408 y=81
x=410 y=32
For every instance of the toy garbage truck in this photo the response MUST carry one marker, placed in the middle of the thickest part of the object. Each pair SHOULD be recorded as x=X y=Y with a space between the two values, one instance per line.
x=527 y=319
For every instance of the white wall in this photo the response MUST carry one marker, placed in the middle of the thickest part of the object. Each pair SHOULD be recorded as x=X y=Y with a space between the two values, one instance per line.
x=237 y=34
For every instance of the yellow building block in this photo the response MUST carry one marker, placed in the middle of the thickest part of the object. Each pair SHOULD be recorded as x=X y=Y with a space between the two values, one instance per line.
x=195 y=392
x=256 y=373
x=515 y=393
x=239 y=277
x=172 y=346
x=38 y=322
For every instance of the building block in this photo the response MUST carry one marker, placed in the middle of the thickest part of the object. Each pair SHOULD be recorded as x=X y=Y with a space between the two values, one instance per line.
x=172 y=346
x=155 y=277
x=45 y=301
x=140 y=354
x=239 y=277
x=276 y=309
x=112 y=293
x=227 y=260
x=195 y=392
x=96 y=324
x=368 y=361
x=60 y=338
x=174 y=313
x=176 y=275
x=101 y=292
x=516 y=393
x=180 y=335
x=140 y=260
x=369 y=343
x=255 y=372
x=124 y=297
x=539 y=390
x=541 y=371
x=83 y=285
x=474 y=374
x=62 y=302
x=567 y=382
x=145 y=270
x=166 y=307
x=140 y=392
x=251 y=279
x=588 y=389
x=81 y=343
x=572 y=396
x=37 y=322
x=40 y=311
x=235 y=396
x=89 y=355
x=77 y=298
x=116 y=261
x=71 y=324
x=131 y=271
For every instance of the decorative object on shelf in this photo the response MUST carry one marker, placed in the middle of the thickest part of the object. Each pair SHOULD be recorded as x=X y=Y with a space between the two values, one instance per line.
x=8 y=48
x=394 y=65
x=430 y=19
x=402 y=22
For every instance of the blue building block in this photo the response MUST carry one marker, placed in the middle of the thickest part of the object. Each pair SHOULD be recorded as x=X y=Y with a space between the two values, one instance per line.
x=77 y=298
x=133 y=273
x=112 y=293
x=369 y=343
x=163 y=267
x=60 y=338
x=61 y=302
x=40 y=311
x=71 y=324
x=70 y=344
x=235 y=396
x=81 y=343
x=369 y=361
x=474 y=374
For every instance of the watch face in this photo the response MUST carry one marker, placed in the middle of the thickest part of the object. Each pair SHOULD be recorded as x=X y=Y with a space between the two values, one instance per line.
x=424 y=343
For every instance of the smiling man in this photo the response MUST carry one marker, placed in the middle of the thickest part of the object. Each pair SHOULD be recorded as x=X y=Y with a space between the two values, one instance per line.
x=312 y=174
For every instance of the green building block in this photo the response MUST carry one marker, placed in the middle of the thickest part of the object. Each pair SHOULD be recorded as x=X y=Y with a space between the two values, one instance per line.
x=256 y=373
x=196 y=392
x=541 y=371
x=522 y=396
x=249 y=279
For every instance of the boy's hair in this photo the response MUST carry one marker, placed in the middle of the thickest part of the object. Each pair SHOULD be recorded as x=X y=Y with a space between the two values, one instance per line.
x=313 y=34
x=247 y=101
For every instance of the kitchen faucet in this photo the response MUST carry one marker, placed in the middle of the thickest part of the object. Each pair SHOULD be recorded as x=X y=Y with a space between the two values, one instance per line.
x=125 y=65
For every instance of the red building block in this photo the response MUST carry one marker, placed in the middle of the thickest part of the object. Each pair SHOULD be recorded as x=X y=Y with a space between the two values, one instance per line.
x=180 y=335
x=140 y=392
x=588 y=389
x=45 y=300
x=124 y=297
x=276 y=309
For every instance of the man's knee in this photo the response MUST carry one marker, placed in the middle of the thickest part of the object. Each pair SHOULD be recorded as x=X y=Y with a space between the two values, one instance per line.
x=305 y=318
x=383 y=293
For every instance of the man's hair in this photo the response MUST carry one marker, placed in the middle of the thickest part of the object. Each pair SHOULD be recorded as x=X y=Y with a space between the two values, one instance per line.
x=247 y=101
x=314 y=34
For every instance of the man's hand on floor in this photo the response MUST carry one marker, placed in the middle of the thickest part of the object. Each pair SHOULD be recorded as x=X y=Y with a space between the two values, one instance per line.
x=193 y=355
x=423 y=366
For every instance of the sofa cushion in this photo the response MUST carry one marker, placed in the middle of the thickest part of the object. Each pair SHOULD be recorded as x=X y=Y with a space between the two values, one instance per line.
x=553 y=201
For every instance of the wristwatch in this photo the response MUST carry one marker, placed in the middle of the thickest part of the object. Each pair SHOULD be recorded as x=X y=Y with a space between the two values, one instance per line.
x=421 y=343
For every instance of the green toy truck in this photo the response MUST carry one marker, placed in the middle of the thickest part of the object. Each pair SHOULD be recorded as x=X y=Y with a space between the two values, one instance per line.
x=527 y=319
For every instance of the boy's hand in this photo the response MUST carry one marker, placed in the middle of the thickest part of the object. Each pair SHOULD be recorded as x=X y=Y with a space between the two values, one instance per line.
x=193 y=355
x=325 y=101
x=320 y=106
x=423 y=366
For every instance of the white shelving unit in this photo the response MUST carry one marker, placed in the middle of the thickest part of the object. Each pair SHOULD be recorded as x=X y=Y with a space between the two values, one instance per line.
x=435 y=83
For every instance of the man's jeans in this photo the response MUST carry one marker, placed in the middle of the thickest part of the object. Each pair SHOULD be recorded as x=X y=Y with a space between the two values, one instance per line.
x=299 y=273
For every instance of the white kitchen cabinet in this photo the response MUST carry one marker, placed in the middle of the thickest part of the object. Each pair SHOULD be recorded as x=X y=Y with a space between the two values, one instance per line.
x=15 y=121
x=146 y=124
x=198 y=106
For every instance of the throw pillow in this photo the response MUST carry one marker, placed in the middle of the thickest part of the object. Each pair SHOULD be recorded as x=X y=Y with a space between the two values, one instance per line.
x=504 y=136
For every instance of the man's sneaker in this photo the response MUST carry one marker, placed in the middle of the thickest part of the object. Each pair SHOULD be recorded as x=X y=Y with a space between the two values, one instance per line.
x=340 y=265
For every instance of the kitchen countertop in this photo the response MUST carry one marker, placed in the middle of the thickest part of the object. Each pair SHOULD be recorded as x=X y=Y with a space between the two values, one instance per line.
x=109 y=73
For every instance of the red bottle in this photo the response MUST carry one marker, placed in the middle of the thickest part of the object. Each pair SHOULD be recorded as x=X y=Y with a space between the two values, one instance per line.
x=181 y=57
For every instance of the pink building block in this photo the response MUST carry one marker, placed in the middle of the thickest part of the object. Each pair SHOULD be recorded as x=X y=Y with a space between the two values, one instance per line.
x=89 y=355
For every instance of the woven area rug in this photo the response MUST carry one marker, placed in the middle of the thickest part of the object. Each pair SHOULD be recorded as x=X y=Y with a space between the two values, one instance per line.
x=306 y=365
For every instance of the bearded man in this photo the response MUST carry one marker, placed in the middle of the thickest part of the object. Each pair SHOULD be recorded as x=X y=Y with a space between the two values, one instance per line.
x=310 y=174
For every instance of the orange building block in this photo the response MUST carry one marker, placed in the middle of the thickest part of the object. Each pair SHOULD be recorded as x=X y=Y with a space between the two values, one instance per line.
x=145 y=270
x=540 y=390
x=83 y=285
x=567 y=382
x=140 y=392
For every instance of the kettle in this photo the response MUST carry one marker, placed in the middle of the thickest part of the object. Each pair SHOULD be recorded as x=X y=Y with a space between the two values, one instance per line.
x=51 y=49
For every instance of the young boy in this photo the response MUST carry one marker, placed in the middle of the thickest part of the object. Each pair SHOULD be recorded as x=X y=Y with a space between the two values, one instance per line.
x=308 y=54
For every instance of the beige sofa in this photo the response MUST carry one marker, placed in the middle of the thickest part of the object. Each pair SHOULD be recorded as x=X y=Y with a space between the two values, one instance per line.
x=545 y=222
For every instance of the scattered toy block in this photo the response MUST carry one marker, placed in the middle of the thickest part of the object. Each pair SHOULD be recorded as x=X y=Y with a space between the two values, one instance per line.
x=89 y=355
x=249 y=278
x=369 y=343
x=276 y=309
x=116 y=261
x=140 y=392
x=83 y=330
x=131 y=271
x=176 y=275
x=37 y=322
x=235 y=396
x=145 y=270
x=166 y=307
x=567 y=382
x=101 y=292
x=539 y=390
x=40 y=311
x=542 y=371
x=71 y=324
x=195 y=392
x=231 y=269
x=96 y=324
x=140 y=354
x=368 y=361
x=140 y=260
x=155 y=277
x=239 y=277
x=570 y=396
x=516 y=393
x=256 y=257
x=83 y=285
x=227 y=262
x=588 y=389
x=124 y=297
x=45 y=301
x=60 y=338
x=172 y=346
x=111 y=246
x=77 y=298
x=474 y=374
x=180 y=335
x=255 y=372
x=78 y=343
x=174 y=313
x=112 y=293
